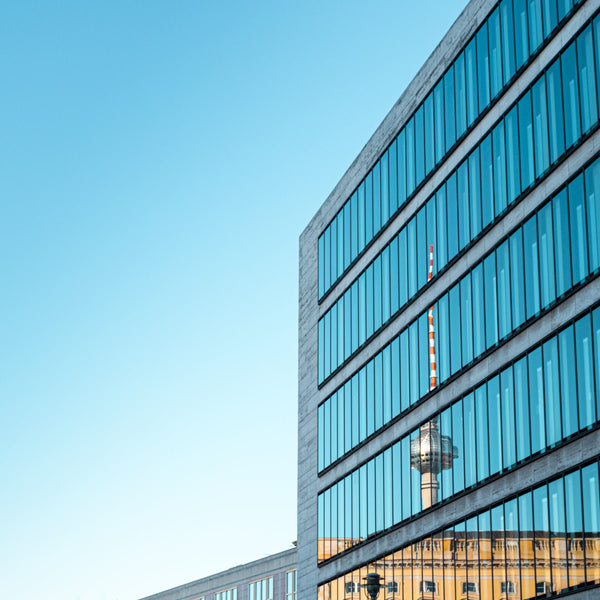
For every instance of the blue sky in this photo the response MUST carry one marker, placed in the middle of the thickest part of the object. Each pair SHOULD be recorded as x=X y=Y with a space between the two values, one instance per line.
x=158 y=162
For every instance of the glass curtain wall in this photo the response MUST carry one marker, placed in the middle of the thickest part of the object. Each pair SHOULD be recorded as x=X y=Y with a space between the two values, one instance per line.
x=511 y=35
x=543 y=543
x=554 y=250
x=535 y=133
x=537 y=402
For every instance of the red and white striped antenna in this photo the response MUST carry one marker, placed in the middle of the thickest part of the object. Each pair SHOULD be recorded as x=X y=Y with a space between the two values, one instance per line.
x=432 y=364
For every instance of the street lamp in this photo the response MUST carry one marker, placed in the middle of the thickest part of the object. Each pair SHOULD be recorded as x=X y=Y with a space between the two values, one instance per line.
x=372 y=585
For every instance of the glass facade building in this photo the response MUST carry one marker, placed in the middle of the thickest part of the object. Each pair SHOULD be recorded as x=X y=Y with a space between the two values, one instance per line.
x=449 y=331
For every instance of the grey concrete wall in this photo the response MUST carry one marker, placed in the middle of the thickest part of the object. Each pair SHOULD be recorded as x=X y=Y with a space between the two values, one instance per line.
x=309 y=484
x=238 y=577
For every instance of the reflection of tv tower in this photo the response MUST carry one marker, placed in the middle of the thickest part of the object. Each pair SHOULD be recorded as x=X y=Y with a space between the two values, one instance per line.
x=430 y=452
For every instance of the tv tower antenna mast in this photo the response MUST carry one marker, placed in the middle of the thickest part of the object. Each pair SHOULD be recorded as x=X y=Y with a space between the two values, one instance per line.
x=430 y=452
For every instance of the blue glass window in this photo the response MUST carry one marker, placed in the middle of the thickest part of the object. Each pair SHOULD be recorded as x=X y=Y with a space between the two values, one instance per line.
x=478 y=311
x=578 y=230
x=438 y=104
x=464 y=233
x=487 y=182
x=460 y=93
x=491 y=300
x=508 y=40
x=471 y=72
x=540 y=127
x=587 y=79
x=499 y=149
x=449 y=108
x=429 y=134
x=532 y=277
x=495 y=53
x=562 y=257
x=526 y=142
x=521 y=37
x=555 y=111
x=483 y=68
x=475 y=192
x=419 y=145
x=516 y=275
x=512 y=155
x=570 y=83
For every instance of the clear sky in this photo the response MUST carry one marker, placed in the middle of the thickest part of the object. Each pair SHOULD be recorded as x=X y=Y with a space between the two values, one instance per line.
x=158 y=162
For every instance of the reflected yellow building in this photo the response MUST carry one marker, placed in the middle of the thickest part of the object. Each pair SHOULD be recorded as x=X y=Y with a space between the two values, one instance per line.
x=460 y=566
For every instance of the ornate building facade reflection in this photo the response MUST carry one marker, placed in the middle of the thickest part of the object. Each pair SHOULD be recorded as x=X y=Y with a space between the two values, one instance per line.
x=449 y=331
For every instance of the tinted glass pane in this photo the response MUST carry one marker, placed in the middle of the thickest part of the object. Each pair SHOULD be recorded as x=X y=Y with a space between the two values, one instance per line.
x=475 y=192
x=546 y=255
x=483 y=468
x=466 y=318
x=495 y=53
x=405 y=371
x=422 y=248
x=555 y=111
x=410 y=156
x=487 y=181
x=508 y=41
x=578 y=230
x=460 y=94
x=570 y=95
x=369 y=208
x=457 y=439
x=464 y=230
x=495 y=433
x=562 y=254
x=402 y=267
x=512 y=155
x=504 y=290
x=438 y=105
x=550 y=16
x=419 y=145
x=479 y=339
x=518 y=295
x=471 y=72
x=552 y=391
x=535 y=24
x=508 y=390
x=455 y=335
x=521 y=37
x=441 y=247
x=540 y=127
x=483 y=68
x=536 y=401
x=443 y=358
x=491 y=300
x=532 y=279
x=429 y=134
x=394 y=277
x=452 y=216
x=522 y=409
x=585 y=371
x=412 y=257
x=568 y=381
x=499 y=149
x=526 y=142
x=401 y=152
x=449 y=108
x=587 y=79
